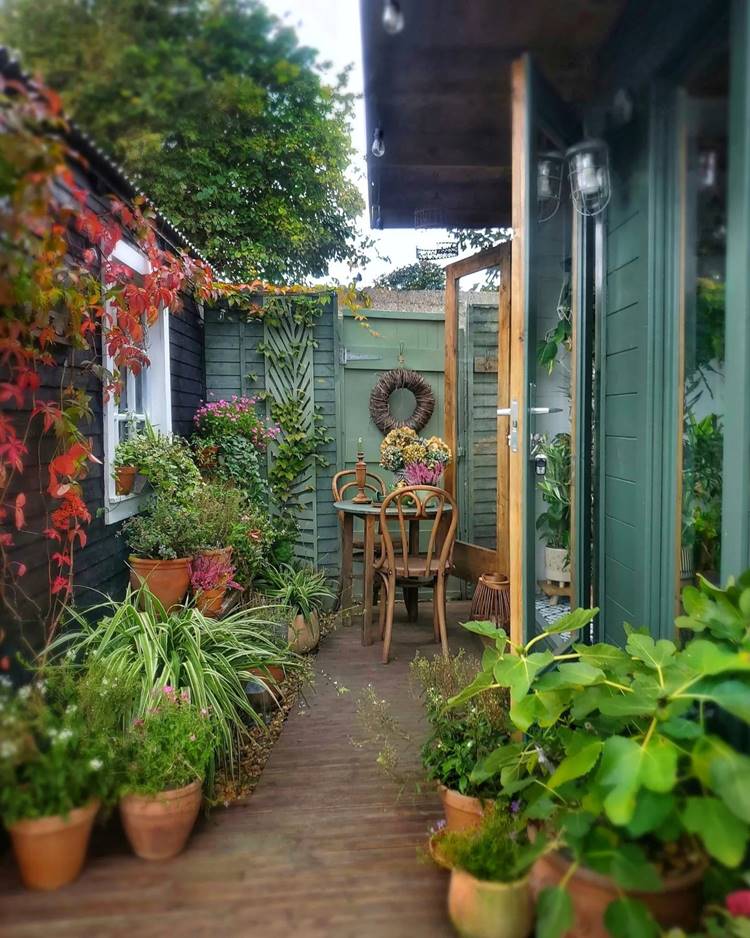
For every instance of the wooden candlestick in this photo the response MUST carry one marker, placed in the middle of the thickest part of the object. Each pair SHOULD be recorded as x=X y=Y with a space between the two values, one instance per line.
x=360 y=477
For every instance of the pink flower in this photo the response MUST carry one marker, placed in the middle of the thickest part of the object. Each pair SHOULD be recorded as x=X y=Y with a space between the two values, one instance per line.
x=192 y=737
x=738 y=903
x=168 y=689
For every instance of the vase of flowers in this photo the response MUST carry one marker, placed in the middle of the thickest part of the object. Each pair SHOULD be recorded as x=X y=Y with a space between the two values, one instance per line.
x=414 y=460
x=211 y=575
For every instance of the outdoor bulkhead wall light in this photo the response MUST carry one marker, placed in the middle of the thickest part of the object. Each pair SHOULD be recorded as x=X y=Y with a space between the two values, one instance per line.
x=588 y=173
x=378 y=143
x=393 y=18
x=549 y=176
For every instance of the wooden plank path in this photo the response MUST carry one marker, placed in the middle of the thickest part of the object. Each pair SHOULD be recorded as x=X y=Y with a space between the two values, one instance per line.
x=323 y=847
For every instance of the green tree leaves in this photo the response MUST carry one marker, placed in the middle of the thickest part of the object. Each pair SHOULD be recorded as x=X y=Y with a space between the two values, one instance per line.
x=724 y=836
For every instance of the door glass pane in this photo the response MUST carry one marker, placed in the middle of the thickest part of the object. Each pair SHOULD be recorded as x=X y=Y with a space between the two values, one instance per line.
x=705 y=207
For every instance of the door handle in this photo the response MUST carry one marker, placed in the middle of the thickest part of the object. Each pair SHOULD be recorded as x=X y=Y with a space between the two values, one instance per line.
x=545 y=410
x=511 y=412
x=503 y=412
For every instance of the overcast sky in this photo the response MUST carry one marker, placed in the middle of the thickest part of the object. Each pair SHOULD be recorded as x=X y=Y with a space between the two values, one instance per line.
x=332 y=27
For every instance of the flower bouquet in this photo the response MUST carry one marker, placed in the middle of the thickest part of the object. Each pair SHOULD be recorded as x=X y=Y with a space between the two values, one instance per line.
x=415 y=460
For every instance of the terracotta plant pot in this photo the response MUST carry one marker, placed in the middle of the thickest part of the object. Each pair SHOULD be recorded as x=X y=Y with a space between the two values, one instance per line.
x=168 y=580
x=556 y=565
x=158 y=826
x=271 y=672
x=304 y=634
x=678 y=904
x=124 y=479
x=210 y=601
x=462 y=812
x=224 y=552
x=480 y=909
x=50 y=851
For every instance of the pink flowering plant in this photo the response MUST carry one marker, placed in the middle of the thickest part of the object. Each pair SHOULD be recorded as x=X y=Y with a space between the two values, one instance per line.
x=212 y=571
x=169 y=747
x=215 y=421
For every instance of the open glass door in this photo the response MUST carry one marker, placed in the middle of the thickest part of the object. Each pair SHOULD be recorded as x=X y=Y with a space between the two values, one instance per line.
x=541 y=406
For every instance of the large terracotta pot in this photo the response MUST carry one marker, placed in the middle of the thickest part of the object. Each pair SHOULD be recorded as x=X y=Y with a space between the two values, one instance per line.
x=210 y=601
x=158 y=826
x=462 y=812
x=480 y=909
x=124 y=479
x=304 y=634
x=678 y=904
x=50 y=851
x=168 y=580
x=556 y=564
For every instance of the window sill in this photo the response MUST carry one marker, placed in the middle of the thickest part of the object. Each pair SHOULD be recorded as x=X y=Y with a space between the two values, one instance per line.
x=120 y=507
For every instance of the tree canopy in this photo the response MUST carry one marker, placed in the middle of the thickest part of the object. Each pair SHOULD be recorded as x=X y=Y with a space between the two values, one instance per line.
x=421 y=275
x=227 y=122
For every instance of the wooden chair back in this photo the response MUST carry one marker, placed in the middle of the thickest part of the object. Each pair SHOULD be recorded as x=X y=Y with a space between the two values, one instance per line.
x=345 y=480
x=418 y=503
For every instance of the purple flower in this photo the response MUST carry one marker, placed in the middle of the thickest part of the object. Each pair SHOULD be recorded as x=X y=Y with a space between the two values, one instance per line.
x=515 y=806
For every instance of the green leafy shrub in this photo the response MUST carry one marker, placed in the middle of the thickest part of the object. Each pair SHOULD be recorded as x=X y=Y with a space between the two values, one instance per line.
x=171 y=746
x=238 y=464
x=258 y=544
x=165 y=530
x=165 y=460
x=217 y=508
x=497 y=851
x=305 y=591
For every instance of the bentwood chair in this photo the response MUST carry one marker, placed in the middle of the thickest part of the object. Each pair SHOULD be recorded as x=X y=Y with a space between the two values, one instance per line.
x=398 y=565
x=344 y=485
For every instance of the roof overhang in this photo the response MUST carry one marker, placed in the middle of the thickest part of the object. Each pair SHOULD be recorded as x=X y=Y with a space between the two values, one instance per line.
x=440 y=92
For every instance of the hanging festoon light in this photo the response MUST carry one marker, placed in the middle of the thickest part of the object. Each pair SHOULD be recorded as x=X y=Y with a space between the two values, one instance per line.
x=378 y=143
x=393 y=18
x=549 y=175
x=588 y=174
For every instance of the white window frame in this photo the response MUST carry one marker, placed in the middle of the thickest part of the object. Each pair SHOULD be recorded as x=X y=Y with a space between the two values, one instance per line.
x=157 y=394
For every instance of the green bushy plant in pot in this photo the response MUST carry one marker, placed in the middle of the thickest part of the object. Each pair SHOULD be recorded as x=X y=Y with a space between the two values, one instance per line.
x=305 y=592
x=553 y=524
x=166 y=756
x=489 y=894
x=163 y=539
x=58 y=753
x=624 y=761
x=165 y=461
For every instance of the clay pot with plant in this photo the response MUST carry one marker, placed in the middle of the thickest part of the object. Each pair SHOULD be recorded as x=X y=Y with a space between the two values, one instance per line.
x=57 y=768
x=553 y=524
x=163 y=539
x=489 y=894
x=619 y=764
x=305 y=592
x=161 y=459
x=168 y=752
x=211 y=575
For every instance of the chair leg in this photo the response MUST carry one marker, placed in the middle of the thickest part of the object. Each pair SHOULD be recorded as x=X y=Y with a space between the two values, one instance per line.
x=440 y=603
x=411 y=601
x=383 y=601
x=435 y=616
x=391 y=603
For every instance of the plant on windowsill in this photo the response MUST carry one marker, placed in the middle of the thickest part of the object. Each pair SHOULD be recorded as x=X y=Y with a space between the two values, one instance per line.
x=553 y=524
x=125 y=465
x=163 y=539
x=165 y=461
x=211 y=575
x=166 y=755
x=626 y=760
x=305 y=592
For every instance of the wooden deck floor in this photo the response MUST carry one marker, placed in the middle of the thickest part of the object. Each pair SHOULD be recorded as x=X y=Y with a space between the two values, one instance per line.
x=322 y=847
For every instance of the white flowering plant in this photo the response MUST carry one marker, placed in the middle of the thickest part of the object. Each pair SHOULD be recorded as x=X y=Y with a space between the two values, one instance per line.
x=59 y=743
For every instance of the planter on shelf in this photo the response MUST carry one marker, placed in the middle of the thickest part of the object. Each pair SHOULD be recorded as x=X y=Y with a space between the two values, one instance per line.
x=168 y=580
x=556 y=564
x=158 y=826
x=461 y=811
x=304 y=633
x=677 y=904
x=50 y=851
x=482 y=909
x=124 y=479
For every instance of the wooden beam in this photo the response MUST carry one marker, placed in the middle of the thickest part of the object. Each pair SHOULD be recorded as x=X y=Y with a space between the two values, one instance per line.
x=450 y=386
x=487 y=257
x=503 y=400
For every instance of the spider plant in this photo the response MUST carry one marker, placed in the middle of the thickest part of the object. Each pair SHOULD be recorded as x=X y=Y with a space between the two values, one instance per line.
x=137 y=639
x=304 y=591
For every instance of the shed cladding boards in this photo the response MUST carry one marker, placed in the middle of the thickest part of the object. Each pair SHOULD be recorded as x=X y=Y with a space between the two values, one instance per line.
x=624 y=351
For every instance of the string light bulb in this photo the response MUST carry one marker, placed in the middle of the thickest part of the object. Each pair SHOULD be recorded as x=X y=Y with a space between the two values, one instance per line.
x=378 y=144
x=393 y=18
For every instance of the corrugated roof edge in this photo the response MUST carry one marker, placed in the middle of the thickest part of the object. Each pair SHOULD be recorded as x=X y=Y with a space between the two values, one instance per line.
x=11 y=68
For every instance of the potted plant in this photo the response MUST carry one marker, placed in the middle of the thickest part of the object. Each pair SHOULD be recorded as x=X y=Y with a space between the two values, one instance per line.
x=489 y=894
x=57 y=764
x=125 y=466
x=553 y=524
x=621 y=763
x=163 y=538
x=168 y=751
x=163 y=460
x=305 y=592
x=415 y=460
x=211 y=575
x=218 y=507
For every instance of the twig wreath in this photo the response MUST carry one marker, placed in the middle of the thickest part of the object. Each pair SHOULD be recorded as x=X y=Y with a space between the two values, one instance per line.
x=393 y=381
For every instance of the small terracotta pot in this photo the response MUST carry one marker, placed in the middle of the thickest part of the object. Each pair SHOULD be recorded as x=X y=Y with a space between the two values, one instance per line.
x=168 y=580
x=50 y=851
x=158 y=826
x=462 y=812
x=210 y=601
x=481 y=909
x=677 y=904
x=224 y=552
x=273 y=671
x=304 y=634
x=124 y=479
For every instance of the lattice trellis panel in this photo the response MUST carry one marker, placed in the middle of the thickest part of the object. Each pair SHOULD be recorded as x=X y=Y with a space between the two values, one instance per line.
x=289 y=375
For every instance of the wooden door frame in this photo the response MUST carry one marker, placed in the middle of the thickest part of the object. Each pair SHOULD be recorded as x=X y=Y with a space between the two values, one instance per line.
x=471 y=560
